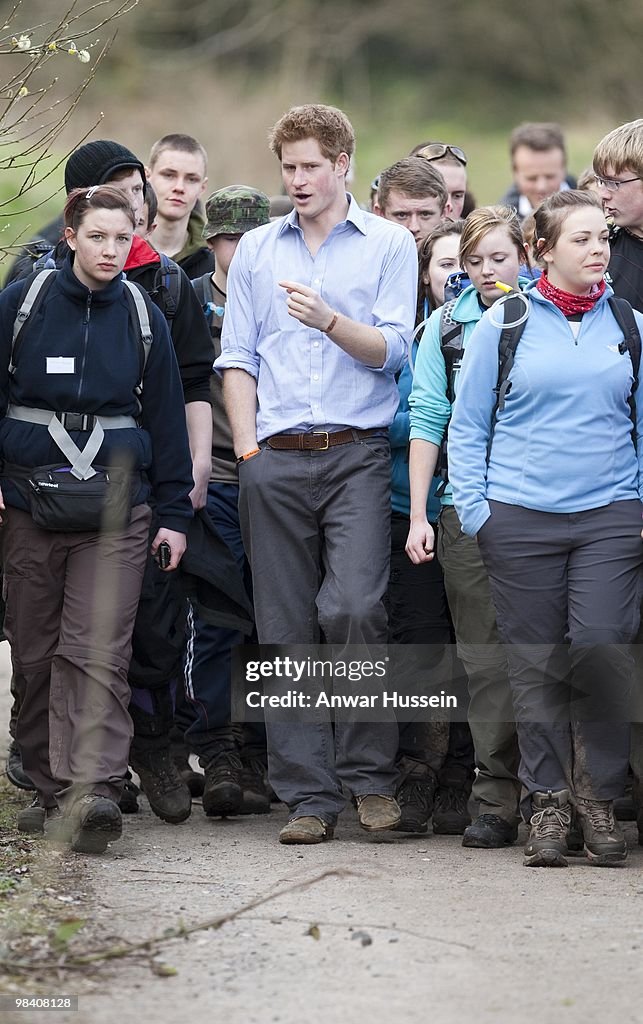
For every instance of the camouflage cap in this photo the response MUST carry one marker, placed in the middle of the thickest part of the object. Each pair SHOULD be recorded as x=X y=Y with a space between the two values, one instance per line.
x=235 y=210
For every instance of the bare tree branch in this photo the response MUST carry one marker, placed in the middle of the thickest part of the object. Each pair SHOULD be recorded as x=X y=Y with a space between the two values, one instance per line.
x=32 y=117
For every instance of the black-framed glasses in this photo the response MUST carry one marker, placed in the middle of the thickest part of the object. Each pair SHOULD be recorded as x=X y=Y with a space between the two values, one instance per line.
x=436 y=150
x=613 y=184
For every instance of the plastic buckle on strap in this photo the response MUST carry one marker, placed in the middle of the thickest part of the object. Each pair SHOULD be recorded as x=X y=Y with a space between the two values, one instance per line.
x=321 y=433
x=503 y=391
x=76 y=420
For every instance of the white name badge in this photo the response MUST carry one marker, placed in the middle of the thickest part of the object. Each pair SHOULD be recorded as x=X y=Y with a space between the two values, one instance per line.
x=61 y=364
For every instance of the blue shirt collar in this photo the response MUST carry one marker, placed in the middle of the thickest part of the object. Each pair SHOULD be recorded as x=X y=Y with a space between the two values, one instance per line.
x=355 y=216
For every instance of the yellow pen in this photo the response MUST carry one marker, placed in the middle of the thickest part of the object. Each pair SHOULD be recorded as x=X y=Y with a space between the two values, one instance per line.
x=503 y=287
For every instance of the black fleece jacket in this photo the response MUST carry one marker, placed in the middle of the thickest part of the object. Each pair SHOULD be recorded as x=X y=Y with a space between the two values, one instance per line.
x=198 y=263
x=188 y=327
x=626 y=267
x=96 y=331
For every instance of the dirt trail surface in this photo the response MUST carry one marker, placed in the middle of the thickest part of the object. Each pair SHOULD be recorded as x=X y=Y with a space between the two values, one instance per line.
x=419 y=929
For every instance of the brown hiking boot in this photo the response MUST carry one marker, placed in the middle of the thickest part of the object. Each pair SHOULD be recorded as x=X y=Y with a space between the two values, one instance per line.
x=549 y=824
x=378 y=813
x=605 y=844
x=305 y=831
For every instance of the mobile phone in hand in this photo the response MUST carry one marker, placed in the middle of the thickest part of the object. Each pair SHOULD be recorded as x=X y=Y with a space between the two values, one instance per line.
x=164 y=554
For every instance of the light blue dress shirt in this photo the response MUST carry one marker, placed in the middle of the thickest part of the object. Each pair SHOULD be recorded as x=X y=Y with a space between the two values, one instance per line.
x=366 y=269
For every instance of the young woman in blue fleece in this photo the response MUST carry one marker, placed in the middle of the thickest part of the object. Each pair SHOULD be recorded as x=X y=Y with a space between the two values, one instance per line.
x=555 y=502
x=491 y=249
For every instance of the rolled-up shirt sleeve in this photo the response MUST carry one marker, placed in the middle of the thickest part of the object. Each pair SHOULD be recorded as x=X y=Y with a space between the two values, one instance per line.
x=396 y=300
x=239 y=332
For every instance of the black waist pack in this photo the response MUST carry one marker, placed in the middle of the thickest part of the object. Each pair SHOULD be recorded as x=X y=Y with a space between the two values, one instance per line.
x=60 y=501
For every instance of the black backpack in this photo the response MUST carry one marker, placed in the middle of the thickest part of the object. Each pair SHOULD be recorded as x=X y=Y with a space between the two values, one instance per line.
x=167 y=288
x=451 y=344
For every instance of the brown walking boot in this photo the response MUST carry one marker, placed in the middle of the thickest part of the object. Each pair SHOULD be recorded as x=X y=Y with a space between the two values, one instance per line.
x=549 y=825
x=605 y=844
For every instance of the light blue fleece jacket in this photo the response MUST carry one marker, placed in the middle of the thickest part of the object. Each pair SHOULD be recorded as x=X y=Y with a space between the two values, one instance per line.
x=430 y=409
x=563 y=442
x=428 y=402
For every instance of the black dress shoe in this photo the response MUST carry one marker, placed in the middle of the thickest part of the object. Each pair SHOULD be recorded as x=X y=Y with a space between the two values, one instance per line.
x=489 y=832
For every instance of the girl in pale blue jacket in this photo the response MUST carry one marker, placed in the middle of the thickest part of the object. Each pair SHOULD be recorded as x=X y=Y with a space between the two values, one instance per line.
x=553 y=491
x=491 y=250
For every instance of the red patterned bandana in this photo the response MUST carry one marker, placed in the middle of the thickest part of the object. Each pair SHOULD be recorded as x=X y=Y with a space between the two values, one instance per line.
x=567 y=302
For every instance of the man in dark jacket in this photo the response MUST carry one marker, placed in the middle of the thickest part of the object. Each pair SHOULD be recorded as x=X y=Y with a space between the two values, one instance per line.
x=178 y=172
x=156 y=664
x=618 y=164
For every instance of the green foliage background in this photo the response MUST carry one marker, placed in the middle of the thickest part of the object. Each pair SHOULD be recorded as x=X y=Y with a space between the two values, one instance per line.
x=466 y=71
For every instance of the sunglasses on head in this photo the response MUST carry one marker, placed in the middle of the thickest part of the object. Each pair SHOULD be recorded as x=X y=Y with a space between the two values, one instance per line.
x=436 y=150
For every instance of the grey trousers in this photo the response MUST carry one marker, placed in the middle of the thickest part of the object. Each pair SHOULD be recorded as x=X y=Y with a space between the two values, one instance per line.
x=491 y=718
x=636 y=735
x=316 y=529
x=71 y=602
x=567 y=590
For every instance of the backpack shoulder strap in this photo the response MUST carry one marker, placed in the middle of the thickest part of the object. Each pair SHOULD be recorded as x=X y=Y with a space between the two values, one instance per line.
x=171 y=280
x=140 y=313
x=451 y=338
x=201 y=286
x=31 y=300
x=624 y=316
x=507 y=345
x=449 y=328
